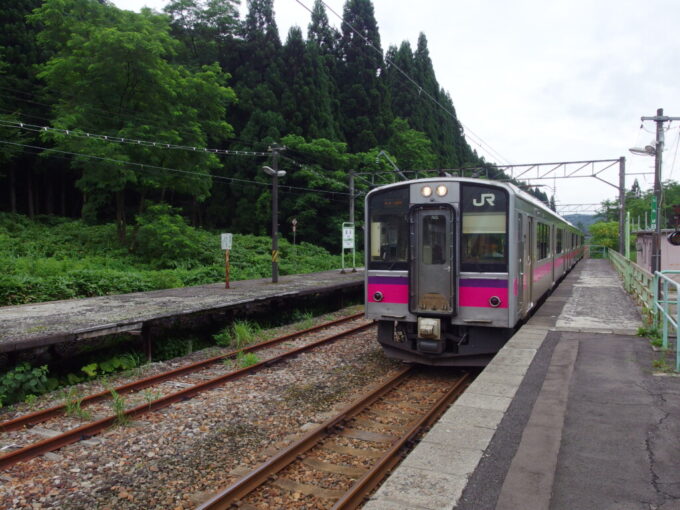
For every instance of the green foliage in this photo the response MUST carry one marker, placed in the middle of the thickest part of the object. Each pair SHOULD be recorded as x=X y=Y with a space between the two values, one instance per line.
x=174 y=346
x=112 y=365
x=73 y=403
x=64 y=259
x=118 y=406
x=246 y=359
x=238 y=335
x=24 y=380
x=165 y=240
x=605 y=234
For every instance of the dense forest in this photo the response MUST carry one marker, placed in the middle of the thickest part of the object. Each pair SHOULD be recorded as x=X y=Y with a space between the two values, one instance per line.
x=106 y=112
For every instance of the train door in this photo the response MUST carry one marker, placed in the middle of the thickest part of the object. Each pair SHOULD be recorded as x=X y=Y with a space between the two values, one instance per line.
x=432 y=260
x=553 y=251
x=529 y=240
x=520 y=265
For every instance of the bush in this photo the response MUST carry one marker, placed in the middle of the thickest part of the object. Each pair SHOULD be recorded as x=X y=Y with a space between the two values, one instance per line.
x=23 y=380
x=165 y=240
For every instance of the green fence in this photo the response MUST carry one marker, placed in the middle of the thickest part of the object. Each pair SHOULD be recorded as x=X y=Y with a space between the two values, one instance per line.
x=666 y=308
x=637 y=281
x=656 y=294
x=595 y=251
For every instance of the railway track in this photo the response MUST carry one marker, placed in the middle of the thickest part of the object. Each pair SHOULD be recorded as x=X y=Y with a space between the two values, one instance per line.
x=26 y=423
x=339 y=463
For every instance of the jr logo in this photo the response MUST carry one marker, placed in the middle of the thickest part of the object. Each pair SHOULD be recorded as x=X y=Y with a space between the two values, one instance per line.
x=489 y=198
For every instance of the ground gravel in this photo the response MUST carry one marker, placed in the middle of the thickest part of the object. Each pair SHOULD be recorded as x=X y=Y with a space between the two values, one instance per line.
x=179 y=456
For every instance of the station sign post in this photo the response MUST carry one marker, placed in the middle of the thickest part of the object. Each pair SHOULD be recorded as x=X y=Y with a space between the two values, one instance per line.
x=348 y=244
x=226 y=246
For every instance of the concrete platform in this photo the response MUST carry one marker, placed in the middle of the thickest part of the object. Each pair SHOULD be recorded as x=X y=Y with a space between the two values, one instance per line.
x=43 y=324
x=568 y=415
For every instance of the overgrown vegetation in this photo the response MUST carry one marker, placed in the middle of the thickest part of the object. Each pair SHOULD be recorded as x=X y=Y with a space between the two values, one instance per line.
x=56 y=258
x=238 y=335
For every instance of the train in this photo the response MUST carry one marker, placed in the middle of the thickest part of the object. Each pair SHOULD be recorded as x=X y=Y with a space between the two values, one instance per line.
x=455 y=265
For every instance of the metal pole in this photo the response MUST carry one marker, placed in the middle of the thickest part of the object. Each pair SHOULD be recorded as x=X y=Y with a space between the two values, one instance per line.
x=622 y=205
x=351 y=196
x=275 y=216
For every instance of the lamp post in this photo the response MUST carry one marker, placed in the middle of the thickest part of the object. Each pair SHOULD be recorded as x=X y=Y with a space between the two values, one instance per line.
x=275 y=174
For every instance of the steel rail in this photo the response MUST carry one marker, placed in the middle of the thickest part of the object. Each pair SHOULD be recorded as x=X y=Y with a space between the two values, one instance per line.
x=259 y=475
x=45 y=414
x=88 y=430
x=229 y=496
x=362 y=487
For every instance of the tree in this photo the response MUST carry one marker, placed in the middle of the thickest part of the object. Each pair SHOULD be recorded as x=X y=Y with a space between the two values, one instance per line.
x=205 y=27
x=411 y=148
x=114 y=65
x=306 y=102
x=365 y=112
x=605 y=234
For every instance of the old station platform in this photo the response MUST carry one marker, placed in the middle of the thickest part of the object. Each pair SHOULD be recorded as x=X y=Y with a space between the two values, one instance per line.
x=568 y=416
x=44 y=325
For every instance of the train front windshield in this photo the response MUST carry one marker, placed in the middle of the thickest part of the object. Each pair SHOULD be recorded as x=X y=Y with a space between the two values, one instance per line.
x=389 y=230
x=485 y=233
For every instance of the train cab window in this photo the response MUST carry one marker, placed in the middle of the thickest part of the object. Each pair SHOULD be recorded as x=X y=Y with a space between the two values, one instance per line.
x=434 y=240
x=484 y=242
x=389 y=229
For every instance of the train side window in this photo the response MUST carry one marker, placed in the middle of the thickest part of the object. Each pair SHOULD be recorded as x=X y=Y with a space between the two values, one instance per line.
x=543 y=240
x=389 y=229
x=484 y=239
x=560 y=234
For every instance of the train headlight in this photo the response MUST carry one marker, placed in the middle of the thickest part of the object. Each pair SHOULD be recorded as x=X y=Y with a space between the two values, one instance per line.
x=495 y=301
x=426 y=191
x=442 y=190
x=378 y=296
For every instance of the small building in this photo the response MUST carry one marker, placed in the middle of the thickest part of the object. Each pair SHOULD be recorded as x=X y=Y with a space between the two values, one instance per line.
x=670 y=254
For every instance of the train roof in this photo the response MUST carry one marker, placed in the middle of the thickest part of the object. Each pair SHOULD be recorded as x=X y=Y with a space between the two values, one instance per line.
x=507 y=185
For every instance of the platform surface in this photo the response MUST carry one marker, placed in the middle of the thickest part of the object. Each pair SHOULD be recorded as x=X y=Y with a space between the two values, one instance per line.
x=568 y=416
x=39 y=324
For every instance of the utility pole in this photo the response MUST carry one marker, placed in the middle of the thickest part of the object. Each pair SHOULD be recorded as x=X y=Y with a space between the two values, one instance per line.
x=622 y=205
x=351 y=196
x=660 y=118
x=275 y=173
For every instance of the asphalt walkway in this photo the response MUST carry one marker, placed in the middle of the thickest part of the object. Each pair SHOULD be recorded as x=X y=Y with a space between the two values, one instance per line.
x=568 y=416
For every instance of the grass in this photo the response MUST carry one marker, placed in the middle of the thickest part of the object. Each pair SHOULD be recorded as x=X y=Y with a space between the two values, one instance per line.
x=56 y=258
x=73 y=405
x=238 y=335
x=118 y=406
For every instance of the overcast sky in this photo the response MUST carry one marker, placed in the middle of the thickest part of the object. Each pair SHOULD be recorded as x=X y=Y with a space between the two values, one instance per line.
x=538 y=81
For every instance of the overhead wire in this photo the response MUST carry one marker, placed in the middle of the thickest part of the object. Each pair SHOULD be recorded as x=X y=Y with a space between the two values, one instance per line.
x=144 y=166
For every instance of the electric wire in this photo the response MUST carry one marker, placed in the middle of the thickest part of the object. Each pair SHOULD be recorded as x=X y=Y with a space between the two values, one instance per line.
x=144 y=166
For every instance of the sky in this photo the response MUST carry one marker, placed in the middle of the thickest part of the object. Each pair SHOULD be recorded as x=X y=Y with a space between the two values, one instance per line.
x=541 y=81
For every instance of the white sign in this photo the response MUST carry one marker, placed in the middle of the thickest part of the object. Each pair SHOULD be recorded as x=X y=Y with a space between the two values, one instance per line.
x=348 y=237
x=226 y=241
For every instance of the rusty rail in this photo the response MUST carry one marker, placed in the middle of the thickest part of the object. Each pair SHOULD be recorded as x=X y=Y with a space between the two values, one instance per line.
x=88 y=430
x=360 y=489
x=45 y=414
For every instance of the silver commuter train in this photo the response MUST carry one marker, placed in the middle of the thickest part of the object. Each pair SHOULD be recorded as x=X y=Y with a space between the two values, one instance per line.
x=454 y=265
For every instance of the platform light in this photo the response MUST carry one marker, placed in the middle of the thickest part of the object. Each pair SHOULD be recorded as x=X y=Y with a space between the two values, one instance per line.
x=426 y=191
x=442 y=190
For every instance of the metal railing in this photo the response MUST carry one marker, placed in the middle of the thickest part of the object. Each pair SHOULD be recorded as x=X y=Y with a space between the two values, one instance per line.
x=637 y=281
x=667 y=309
x=595 y=251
